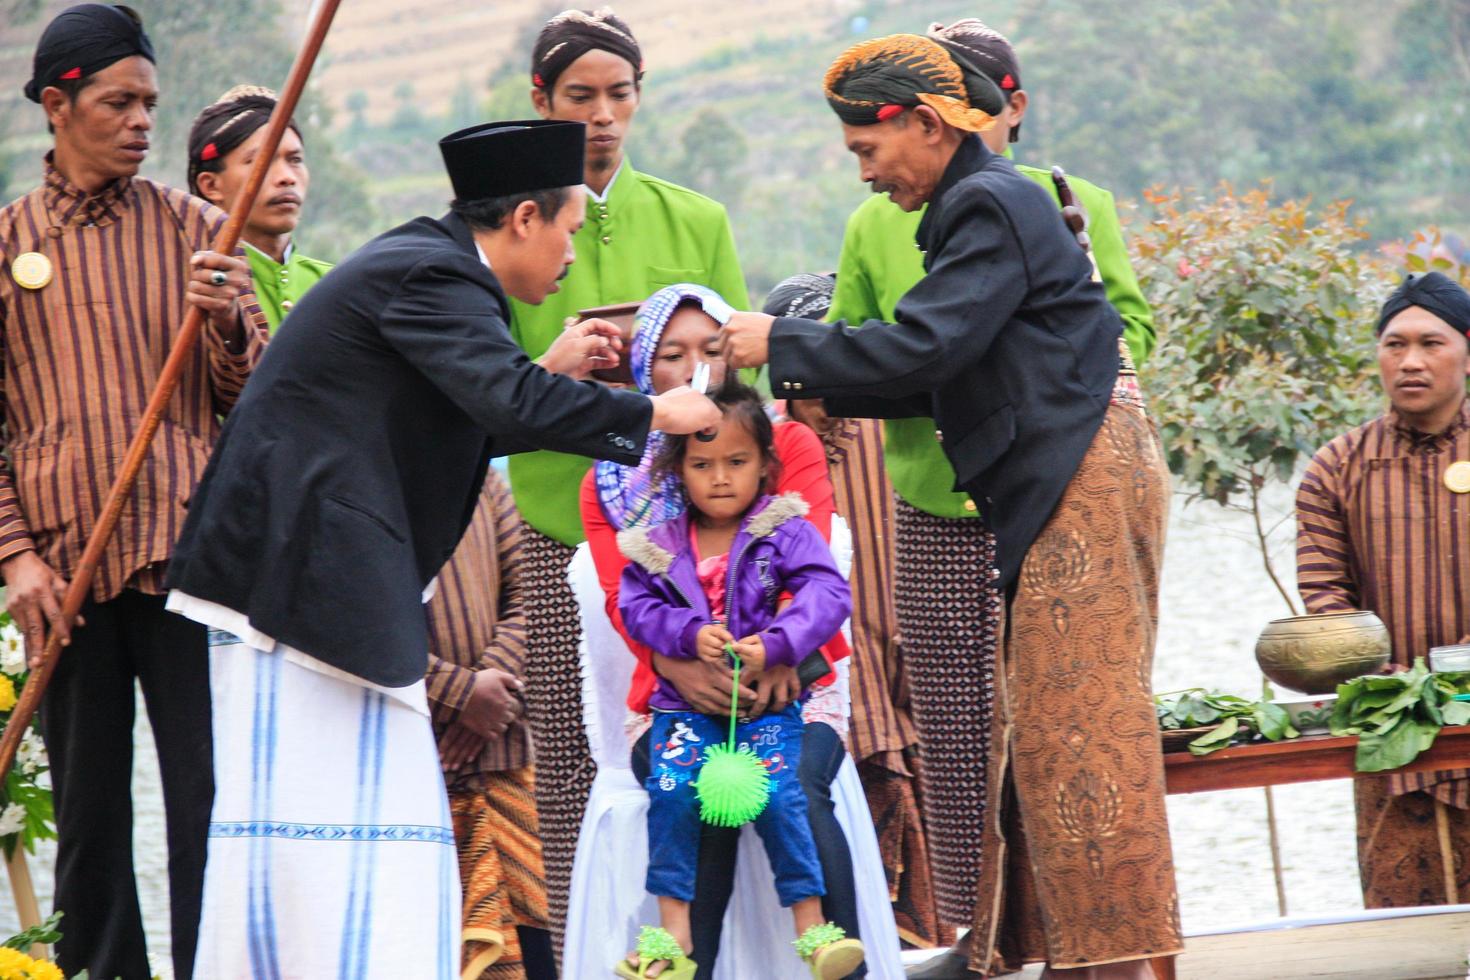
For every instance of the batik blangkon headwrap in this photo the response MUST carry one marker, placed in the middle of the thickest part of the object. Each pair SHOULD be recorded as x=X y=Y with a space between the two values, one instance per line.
x=224 y=124
x=631 y=496
x=876 y=80
x=571 y=34
x=803 y=295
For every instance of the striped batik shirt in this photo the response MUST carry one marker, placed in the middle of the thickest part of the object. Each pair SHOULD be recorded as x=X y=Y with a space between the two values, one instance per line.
x=1377 y=528
x=81 y=356
x=881 y=727
x=476 y=620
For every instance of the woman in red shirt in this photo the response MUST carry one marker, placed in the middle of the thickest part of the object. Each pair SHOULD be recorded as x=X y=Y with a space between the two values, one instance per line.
x=675 y=334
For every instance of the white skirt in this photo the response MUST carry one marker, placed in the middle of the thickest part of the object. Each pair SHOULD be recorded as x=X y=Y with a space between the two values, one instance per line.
x=331 y=852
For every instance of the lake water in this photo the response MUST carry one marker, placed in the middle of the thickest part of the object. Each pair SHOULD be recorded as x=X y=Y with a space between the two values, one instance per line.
x=1215 y=600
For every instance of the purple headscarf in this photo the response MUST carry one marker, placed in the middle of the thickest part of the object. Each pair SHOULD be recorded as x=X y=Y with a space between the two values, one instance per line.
x=631 y=496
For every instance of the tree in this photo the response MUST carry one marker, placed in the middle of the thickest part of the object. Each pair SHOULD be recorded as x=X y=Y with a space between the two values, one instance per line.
x=1265 y=315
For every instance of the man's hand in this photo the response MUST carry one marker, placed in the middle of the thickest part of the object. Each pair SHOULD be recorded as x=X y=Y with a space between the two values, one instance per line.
x=583 y=348
x=775 y=688
x=709 y=643
x=681 y=411
x=215 y=284
x=706 y=686
x=460 y=745
x=745 y=341
x=493 y=704
x=33 y=594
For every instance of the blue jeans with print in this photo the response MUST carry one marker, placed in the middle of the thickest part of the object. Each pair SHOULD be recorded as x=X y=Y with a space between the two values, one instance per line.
x=677 y=746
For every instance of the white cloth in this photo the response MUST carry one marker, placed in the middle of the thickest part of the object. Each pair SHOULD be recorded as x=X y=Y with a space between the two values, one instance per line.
x=608 y=904
x=227 y=620
x=331 y=851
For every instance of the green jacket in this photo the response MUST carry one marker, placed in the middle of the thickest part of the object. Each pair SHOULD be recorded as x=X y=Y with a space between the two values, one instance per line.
x=880 y=262
x=278 y=286
x=647 y=234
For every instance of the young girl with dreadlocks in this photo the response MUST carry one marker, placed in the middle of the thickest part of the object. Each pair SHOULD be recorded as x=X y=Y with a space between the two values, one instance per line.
x=739 y=576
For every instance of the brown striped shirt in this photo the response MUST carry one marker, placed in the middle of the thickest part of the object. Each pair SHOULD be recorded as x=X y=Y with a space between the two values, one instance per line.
x=881 y=727
x=476 y=620
x=1378 y=529
x=81 y=356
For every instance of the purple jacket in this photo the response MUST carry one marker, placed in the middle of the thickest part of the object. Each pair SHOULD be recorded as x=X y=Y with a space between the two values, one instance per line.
x=774 y=552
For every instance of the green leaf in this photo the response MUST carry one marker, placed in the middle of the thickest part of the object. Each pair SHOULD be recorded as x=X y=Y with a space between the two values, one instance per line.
x=1217 y=738
x=1457 y=713
x=1395 y=748
x=1273 y=722
x=46 y=934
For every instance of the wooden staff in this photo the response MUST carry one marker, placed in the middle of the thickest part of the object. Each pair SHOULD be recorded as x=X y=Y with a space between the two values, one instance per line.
x=168 y=381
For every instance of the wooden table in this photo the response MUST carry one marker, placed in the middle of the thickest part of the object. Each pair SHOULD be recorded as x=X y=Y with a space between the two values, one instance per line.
x=1297 y=760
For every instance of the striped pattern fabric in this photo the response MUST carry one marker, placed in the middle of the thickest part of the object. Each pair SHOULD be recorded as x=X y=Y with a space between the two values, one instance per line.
x=881 y=727
x=81 y=356
x=499 y=870
x=1378 y=529
x=476 y=621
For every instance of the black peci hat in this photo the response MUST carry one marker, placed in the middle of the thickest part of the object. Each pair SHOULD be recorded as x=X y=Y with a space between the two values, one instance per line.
x=500 y=158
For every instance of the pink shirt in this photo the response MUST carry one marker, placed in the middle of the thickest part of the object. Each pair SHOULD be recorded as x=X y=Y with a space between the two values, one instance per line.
x=711 y=572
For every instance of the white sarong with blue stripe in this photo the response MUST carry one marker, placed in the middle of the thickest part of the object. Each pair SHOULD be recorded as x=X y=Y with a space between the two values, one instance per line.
x=331 y=852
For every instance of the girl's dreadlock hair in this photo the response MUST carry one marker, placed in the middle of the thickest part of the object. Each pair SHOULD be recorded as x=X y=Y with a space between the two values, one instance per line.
x=738 y=403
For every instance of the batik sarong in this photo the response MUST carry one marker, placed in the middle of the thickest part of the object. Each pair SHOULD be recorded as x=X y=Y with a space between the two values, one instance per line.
x=1413 y=849
x=1077 y=868
x=554 y=703
x=499 y=869
x=949 y=615
x=330 y=847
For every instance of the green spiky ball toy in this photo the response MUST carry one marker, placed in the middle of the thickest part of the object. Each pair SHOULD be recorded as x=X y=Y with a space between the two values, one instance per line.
x=734 y=784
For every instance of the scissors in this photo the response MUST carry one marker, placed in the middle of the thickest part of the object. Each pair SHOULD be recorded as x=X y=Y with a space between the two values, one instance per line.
x=700 y=383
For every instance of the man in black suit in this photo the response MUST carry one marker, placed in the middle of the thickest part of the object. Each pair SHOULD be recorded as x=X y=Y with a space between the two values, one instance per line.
x=1012 y=347
x=341 y=484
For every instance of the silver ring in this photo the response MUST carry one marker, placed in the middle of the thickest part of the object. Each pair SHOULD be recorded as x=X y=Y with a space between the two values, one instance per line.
x=218 y=278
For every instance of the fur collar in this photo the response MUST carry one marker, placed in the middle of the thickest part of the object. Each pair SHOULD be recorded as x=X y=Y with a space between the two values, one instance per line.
x=639 y=545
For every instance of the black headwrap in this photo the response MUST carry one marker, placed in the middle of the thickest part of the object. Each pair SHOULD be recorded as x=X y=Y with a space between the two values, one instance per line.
x=571 y=34
x=988 y=50
x=225 y=124
x=1432 y=291
x=878 y=79
x=83 y=40
x=803 y=295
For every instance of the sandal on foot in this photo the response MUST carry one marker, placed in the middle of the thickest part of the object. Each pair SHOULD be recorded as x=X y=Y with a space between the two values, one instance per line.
x=657 y=945
x=828 y=951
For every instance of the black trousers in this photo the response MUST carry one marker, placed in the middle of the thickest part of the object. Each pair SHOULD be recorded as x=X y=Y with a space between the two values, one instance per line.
x=87 y=719
x=821 y=756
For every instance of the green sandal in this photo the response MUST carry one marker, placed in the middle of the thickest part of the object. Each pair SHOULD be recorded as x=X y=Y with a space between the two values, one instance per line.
x=655 y=945
x=828 y=951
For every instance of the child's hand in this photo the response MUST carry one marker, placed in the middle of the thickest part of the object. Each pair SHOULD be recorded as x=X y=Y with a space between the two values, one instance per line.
x=709 y=643
x=752 y=651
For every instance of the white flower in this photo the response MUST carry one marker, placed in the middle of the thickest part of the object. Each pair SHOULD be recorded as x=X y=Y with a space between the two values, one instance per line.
x=12 y=650
x=31 y=756
x=13 y=820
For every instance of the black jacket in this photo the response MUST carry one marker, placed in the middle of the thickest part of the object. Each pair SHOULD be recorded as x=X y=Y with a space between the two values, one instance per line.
x=1006 y=342
x=352 y=463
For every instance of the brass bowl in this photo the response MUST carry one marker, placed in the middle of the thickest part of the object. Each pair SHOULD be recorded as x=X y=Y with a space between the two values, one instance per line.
x=1313 y=654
